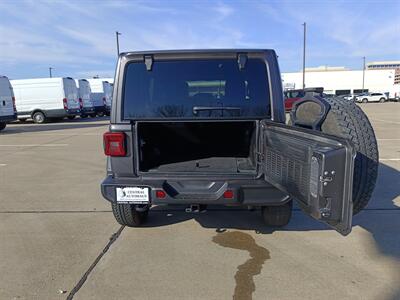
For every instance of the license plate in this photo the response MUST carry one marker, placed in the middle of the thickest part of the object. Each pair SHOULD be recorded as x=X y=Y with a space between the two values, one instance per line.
x=136 y=195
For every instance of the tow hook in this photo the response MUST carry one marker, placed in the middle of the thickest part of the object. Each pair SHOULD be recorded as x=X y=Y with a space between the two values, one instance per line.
x=196 y=208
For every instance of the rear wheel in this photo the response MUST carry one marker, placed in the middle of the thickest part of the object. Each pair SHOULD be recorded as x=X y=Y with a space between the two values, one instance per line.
x=382 y=100
x=365 y=100
x=39 y=117
x=347 y=120
x=100 y=114
x=277 y=216
x=2 y=125
x=127 y=215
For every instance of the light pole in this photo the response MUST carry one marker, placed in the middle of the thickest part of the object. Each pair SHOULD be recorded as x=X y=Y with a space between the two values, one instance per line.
x=304 y=55
x=363 y=74
x=50 y=69
x=116 y=35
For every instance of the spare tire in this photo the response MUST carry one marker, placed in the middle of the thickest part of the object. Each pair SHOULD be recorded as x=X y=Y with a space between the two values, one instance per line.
x=345 y=119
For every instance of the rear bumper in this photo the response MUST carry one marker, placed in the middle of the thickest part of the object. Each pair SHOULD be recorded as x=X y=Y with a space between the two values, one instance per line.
x=88 y=110
x=100 y=109
x=8 y=118
x=245 y=192
x=73 y=112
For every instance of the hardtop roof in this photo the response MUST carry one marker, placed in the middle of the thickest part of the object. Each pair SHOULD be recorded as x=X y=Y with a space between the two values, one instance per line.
x=195 y=51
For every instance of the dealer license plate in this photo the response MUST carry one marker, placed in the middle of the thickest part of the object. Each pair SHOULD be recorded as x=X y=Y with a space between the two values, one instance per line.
x=136 y=195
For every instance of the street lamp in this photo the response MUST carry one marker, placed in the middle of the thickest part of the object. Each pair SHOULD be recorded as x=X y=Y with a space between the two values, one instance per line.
x=50 y=69
x=304 y=55
x=116 y=35
x=363 y=74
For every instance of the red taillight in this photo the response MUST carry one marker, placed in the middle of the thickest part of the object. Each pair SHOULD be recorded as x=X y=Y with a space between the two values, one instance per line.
x=15 y=107
x=160 y=194
x=114 y=144
x=65 y=103
x=80 y=102
x=228 y=194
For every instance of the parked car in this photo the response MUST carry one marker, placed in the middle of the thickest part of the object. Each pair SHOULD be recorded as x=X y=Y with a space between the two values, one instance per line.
x=291 y=96
x=8 y=112
x=85 y=98
x=371 y=97
x=349 y=97
x=46 y=98
x=101 y=95
x=172 y=142
x=394 y=94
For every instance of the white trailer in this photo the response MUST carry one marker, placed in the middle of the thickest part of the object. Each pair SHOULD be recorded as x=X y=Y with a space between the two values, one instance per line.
x=7 y=103
x=101 y=95
x=44 y=98
x=85 y=97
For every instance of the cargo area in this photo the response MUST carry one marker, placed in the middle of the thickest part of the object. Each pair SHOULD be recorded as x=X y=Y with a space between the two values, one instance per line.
x=199 y=147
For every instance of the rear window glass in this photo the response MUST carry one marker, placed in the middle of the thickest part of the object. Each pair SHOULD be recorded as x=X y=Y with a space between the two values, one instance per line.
x=196 y=89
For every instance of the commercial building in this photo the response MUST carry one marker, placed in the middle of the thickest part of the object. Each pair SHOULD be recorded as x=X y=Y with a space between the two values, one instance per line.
x=381 y=77
x=381 y=65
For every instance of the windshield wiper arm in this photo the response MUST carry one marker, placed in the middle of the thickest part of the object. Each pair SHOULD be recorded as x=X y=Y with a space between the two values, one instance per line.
x=196 y=109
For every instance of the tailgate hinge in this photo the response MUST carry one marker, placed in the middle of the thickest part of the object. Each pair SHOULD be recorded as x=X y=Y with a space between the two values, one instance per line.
x=260 y=158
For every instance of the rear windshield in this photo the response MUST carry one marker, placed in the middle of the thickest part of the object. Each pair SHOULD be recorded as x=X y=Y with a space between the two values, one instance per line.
x=196 y=89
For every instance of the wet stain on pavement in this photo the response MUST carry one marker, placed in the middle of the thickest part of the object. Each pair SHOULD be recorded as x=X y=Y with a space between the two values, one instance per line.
x=258 y=255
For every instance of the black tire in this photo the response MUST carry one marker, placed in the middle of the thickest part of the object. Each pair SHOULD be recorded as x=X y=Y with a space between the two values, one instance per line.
x=2 y=125
x=84 y=116
x=365 y=100
x=382 y=100
x=347 y=120
x=39 y=117
x=71 y=117
x=100 y=114
x=277 y=216
x=127 y=215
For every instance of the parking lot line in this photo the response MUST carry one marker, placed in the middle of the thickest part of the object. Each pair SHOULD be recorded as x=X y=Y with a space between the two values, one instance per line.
x=389 y=159
x=384 y=121
x=388 y=139
x=36 y=145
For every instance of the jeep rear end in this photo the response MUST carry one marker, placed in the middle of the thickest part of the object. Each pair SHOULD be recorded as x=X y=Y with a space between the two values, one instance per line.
x=207 y=127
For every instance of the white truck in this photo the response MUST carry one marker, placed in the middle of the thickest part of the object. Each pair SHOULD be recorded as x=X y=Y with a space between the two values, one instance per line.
x=46 y=98
x=101 y=95
x=85 y=98
x=7 y=103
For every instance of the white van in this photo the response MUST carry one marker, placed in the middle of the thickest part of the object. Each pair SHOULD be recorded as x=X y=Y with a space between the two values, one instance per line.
x=45 y=98
x=109 y=79
x=101 y=95
x=85 y=98
x=108 y=90
x=7 y=103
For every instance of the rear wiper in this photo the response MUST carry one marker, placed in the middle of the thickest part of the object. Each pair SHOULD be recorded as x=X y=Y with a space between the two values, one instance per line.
x=196 y=109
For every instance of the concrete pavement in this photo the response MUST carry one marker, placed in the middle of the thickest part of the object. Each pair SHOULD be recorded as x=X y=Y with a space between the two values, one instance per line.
x=59 y=238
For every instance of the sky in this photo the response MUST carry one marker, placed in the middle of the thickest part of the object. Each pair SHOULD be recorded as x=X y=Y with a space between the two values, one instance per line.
x=77 y=38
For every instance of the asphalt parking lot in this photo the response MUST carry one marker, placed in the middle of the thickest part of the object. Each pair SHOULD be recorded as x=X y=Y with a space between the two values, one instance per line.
x=59 y=238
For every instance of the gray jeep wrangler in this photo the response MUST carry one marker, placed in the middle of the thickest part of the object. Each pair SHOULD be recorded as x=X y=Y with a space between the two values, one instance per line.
x=204 y=127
